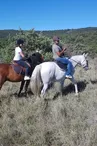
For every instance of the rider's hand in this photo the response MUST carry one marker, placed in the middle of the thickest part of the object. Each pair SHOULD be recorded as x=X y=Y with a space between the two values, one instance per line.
x=64 y=49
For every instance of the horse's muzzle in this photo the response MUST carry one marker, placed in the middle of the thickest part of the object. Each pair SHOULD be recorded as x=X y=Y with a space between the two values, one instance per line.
x=86 y=68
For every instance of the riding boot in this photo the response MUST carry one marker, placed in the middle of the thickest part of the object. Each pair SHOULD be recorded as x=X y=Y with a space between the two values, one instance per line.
x=27 y=74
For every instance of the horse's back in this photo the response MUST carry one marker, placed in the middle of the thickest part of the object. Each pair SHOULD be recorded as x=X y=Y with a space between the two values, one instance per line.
x=47 y=66
x=51 y=71
x=46 y=70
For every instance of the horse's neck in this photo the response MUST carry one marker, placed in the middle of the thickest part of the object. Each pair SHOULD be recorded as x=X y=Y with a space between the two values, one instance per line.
x=75 y=60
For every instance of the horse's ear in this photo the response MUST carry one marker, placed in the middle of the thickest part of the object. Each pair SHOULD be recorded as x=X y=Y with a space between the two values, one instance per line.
x=85 y=54
x=39 y=51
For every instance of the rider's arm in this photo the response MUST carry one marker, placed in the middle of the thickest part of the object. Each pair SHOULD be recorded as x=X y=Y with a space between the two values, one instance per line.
x=61 y=52
x=21 y=53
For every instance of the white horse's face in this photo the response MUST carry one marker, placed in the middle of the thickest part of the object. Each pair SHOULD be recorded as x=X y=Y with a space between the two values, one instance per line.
x=84 y=61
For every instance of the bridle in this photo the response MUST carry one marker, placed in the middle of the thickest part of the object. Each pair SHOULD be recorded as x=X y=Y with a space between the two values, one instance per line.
x=80 y=63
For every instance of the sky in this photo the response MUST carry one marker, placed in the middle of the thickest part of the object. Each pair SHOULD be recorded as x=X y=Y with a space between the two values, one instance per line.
x=47 y=14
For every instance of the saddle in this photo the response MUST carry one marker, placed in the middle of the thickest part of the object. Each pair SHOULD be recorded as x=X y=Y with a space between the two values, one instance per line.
x=17 y=68
x=61 y=65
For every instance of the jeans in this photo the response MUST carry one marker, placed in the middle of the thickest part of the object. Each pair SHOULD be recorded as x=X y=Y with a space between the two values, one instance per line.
x=68 y=63
x=25 y=65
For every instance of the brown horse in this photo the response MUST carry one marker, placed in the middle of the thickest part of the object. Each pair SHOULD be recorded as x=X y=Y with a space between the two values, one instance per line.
x=8 y=73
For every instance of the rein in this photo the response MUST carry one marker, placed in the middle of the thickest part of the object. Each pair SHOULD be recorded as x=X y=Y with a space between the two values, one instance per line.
x=76 y=62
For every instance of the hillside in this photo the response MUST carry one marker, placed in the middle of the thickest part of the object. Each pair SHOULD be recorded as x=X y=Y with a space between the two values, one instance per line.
x=6 y=33
x=12 y=32
x=78 y=41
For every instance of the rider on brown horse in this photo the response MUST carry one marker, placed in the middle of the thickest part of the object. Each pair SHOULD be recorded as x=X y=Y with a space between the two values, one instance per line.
x=18 y=58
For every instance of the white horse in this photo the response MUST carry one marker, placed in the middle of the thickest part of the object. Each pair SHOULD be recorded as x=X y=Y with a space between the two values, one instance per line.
x=48 y=72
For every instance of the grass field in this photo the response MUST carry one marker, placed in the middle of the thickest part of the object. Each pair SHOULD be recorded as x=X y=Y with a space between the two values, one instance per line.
x=53 y=120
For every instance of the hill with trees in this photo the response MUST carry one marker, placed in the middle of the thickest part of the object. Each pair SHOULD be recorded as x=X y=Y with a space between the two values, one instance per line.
x=78 y=41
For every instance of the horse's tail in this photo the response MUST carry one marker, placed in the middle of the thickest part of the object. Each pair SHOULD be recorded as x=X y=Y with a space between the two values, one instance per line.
x=36 y=82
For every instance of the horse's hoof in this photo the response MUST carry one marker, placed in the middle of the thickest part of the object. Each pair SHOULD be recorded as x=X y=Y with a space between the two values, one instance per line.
x=42 y=96
x=76 y=94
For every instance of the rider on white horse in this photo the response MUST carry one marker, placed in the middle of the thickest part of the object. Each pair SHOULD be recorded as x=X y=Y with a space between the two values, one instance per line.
x=58 y=55
x=49 y=72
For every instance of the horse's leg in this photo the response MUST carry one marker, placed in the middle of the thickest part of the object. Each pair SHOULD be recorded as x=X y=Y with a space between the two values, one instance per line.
x=61 y=86
x=75 y=85
x=2 y=80
x=45 y=86
x=21 y=87
x=26 y=86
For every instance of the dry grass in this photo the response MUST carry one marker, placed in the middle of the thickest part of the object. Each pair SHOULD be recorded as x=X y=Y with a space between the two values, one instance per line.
x=55 y=120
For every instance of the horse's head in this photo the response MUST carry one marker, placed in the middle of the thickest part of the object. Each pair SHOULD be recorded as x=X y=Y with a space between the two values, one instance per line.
x=80 y=60
x=35 y=59
x=84 y=61
x=38 y=56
